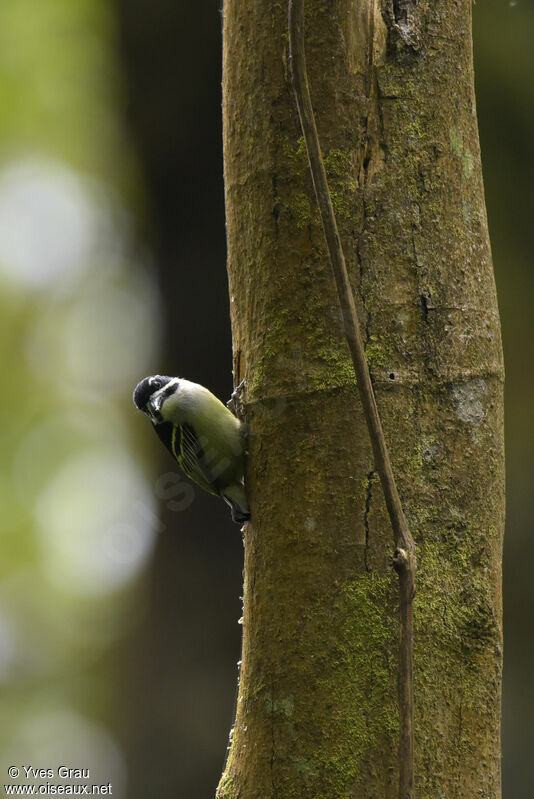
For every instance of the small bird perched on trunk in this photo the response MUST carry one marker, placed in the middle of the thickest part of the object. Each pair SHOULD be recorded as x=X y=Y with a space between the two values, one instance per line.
x=204 y=437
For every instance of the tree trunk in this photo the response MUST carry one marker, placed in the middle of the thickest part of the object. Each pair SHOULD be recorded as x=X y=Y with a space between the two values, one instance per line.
x=317 y=711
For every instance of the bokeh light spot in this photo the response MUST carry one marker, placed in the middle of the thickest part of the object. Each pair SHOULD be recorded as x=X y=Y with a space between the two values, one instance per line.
x=92 y=538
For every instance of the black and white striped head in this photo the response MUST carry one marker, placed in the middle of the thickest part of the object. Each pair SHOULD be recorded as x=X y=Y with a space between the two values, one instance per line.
x=151 y=392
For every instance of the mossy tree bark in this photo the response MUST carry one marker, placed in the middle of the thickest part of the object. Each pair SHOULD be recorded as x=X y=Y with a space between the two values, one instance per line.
x=317 y=715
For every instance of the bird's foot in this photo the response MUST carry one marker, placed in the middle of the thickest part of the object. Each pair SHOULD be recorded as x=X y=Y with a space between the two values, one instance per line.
x=236 y=402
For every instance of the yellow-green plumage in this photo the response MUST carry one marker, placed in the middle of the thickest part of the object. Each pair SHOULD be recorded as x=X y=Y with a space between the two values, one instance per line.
x=205 y=438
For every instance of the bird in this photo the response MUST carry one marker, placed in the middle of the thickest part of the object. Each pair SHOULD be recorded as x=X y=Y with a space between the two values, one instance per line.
x=204 y=437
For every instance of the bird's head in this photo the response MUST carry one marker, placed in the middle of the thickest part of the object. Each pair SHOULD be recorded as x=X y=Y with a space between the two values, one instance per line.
x=150 y=395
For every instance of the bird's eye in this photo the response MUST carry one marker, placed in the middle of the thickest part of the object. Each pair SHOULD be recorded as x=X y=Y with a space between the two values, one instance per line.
x=155 y=382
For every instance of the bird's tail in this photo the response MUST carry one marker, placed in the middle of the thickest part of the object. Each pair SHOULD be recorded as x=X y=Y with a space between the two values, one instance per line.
x=236 y=498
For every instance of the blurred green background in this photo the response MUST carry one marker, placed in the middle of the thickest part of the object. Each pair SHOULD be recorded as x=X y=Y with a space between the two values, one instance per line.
x=119 y=638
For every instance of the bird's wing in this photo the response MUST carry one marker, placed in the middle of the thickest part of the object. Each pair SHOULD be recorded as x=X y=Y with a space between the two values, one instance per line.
x=188 y=451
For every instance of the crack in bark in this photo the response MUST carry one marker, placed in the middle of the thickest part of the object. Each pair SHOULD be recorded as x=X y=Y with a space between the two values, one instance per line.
x=276 y=205
x=373 y=133
x=460 y=730
x=368 y=497
x=275 y=793
x=374 y=149
x=367 y=323
x=414 y=247
x=425 y=304
x=367 y=320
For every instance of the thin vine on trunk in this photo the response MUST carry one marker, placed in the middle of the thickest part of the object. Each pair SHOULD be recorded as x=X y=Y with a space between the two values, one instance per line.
x=404 y=559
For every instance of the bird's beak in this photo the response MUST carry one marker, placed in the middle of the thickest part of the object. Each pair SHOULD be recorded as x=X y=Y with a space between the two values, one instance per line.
x=153 y=407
